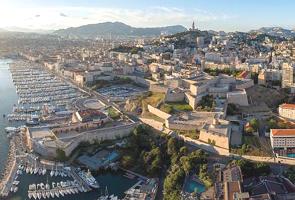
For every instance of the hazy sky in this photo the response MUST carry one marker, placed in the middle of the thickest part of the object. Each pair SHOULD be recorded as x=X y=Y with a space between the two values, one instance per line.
x=228 y=15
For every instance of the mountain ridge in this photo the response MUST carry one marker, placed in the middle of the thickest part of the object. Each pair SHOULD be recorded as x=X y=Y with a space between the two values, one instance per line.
x=107 y=29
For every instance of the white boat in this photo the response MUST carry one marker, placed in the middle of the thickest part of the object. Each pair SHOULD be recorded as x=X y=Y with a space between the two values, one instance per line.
x=15 y=182
x=61 y=192
x=43 y=171
x=39 y=195
x=35 y=195
x=52 y=194
x=80 y=189
x=56 y=193
x=51 y=173
x=31 y=170
x=89 y=179
x=44 y=194
x=30 y=194
x=27 y=170
x=35 y=170
x=47 y=194
x=11 y=130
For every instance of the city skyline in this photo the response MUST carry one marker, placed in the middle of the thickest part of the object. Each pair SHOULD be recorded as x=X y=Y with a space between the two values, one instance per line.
x=227 y=15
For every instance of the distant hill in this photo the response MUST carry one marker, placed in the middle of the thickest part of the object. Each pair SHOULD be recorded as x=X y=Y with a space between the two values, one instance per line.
x=116 y=29
x=276 y=31
x=26 y=30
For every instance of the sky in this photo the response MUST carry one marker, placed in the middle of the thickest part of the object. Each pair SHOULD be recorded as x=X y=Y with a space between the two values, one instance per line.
x=226 y=15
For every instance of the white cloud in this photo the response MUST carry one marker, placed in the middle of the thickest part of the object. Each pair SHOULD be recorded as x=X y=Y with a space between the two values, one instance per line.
x=54 y=17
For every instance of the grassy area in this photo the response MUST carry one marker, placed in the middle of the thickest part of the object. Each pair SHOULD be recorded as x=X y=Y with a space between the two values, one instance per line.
x=271 y=97
x=175 y=107
x=254 y=146
x=113 y=113
x=152 y=116
x=194 y=134
x=181 y=106
x=207 y=103
x=154 y=98
x=228 y=71
x=116 y=81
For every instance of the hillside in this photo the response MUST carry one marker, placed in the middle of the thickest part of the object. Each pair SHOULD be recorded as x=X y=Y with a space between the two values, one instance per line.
x=116 y=29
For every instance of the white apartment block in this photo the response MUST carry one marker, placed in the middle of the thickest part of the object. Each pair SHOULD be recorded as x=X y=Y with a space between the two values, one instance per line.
x=283 y=142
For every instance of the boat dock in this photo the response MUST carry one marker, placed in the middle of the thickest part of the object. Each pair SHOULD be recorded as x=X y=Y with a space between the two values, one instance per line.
x=20 y=162
x=35 y=87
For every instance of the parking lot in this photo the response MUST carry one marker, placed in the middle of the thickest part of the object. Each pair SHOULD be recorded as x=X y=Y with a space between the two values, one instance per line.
x=122 y=91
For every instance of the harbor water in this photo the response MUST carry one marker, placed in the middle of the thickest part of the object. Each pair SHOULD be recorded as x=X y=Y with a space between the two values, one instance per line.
x=112 y=183
x=8 y=98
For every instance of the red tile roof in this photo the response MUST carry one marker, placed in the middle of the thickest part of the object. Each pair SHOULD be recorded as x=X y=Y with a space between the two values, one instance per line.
x=287 y=106
x=283 y=132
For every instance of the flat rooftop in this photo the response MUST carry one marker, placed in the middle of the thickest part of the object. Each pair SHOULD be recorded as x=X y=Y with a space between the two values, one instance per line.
x=40 y=132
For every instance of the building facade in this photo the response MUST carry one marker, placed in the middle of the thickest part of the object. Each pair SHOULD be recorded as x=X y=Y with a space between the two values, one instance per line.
x=287 y=111
x=283 y=142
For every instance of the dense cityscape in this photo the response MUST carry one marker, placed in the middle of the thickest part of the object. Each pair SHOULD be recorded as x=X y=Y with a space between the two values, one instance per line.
x=109 y=111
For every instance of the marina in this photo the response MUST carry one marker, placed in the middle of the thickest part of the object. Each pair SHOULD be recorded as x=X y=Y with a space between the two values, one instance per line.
x=24 y=175
x=36 y=87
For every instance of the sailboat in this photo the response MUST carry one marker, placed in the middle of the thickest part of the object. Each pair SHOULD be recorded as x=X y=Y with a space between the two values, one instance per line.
x=30 y=194
x=51 y=194
x=44 y=171
x=52 y=172
x=36 y=169
x=56 y=172
x=35 y=195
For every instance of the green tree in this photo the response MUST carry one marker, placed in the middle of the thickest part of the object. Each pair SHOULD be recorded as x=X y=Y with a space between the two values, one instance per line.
x=290 y=174
x=173 y=183
x=172 y=147
x=61 y=155
x=186 y=164
x=183 y=151
x=127 y=161
x=254 y=123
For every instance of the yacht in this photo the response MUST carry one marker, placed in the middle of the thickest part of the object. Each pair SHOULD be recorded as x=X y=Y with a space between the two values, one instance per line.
x=89 y=179
x=35 y=170
x=44 y=171
x=35 y=195
x=39 y=195
x=31 y=170
x=11 y=130
x=56 y=193
x=52 y=172
x=30 y=194
x=47 y=194
x=51 y=193
x=61 y=192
